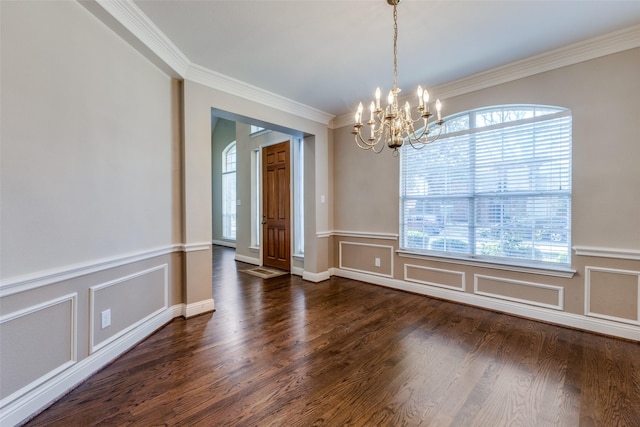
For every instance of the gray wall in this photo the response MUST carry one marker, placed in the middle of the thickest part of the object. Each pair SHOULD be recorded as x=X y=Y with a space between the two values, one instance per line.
x=88 y=156
x=90 y=199
x=604 y=97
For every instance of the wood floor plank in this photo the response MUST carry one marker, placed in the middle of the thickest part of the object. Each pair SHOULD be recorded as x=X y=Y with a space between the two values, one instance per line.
x=285 y=352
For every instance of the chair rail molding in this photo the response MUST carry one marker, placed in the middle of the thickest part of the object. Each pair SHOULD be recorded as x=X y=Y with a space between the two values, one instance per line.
x=30 y=281
x=361 y=234
x=198 y=246
x=632 y=254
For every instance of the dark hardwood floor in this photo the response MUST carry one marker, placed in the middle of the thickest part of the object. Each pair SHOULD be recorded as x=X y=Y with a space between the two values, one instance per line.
x=283 y=351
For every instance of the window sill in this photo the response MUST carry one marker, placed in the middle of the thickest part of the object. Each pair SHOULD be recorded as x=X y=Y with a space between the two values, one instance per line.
x=547 y=270
x=254 y=248
x=299 y=257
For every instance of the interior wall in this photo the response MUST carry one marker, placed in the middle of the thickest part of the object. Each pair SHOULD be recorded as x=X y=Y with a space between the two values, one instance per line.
x=603 y=95
x=199 y=100
x=223 y=134
x=90 y=200
x=86 y=142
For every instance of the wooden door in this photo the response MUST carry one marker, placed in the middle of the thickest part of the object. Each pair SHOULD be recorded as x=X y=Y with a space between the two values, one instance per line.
x=276 y=214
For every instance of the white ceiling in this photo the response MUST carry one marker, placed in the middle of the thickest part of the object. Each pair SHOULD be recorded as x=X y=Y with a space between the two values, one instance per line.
x=331 y=54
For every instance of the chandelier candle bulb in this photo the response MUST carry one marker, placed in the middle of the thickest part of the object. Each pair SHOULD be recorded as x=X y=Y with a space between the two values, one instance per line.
x=420 y=100
x=439 y=109
x=372 y=107
x=377 y=98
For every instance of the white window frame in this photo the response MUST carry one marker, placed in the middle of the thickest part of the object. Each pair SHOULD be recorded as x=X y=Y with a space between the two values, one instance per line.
x=469 y=247
x=229 y=200
x=298 y=197
x=256 y=201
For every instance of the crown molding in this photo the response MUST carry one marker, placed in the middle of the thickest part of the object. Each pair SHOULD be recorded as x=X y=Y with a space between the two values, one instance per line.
x=139 y=24
x=131 y=23
x=607 y=44
x=618 y=41
x=224 y=83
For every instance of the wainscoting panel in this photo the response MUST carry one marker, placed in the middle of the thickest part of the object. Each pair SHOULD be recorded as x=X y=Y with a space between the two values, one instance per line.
x=612 y=294
x=361 y=257
x=43 y=344
x=131 y=299
x=537 y=294
x=449 y=279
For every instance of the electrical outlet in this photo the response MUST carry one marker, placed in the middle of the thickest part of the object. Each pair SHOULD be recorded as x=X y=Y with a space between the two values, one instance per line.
x=106 y=318
x=377 y=262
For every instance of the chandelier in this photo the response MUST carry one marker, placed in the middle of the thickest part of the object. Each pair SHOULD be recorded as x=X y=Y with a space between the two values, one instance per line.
x=392 y=125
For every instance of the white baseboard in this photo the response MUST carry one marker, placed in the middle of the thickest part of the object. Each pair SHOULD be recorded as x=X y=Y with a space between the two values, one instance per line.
x=562 y=318
x=39 y=398
x=316 y=277
x=298 y=271
x=248 y=260
x=198 y=308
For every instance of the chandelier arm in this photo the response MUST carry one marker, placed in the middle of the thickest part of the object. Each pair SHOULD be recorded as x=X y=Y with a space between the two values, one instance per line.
x=439 y=133
x=380 y=150
x=423 y=133
x=367 y=145
x=412 y=136
x=417 y=147
x=411 y=133
x=435 y=138
x=376 y=137
x=420 y=117
x=364 y=144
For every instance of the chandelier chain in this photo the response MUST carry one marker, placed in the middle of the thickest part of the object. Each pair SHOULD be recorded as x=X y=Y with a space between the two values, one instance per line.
x=395 y=44
x=394 y=125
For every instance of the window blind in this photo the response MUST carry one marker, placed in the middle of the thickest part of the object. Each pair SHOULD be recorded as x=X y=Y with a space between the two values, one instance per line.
x=497 y=184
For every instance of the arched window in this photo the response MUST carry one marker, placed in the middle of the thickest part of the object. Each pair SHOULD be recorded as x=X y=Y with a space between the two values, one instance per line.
x=229 y=192
x=496 y=185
